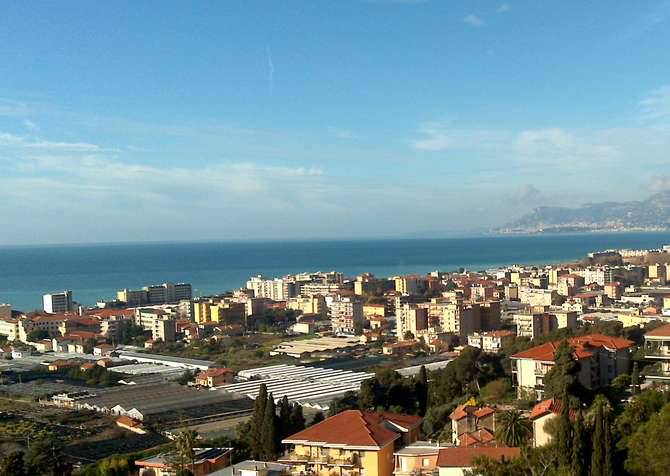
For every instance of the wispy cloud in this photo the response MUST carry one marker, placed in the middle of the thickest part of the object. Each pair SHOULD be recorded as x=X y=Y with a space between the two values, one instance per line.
x=340 y=132
x=13 y=108
x=30 y=125
x=655 y=107
x=13 y=140
x=504 y=7
x=271 y=69
x=473 y=20
x=435 y=138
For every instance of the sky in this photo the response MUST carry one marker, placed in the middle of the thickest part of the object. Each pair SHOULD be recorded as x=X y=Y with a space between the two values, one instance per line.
x=255 y=120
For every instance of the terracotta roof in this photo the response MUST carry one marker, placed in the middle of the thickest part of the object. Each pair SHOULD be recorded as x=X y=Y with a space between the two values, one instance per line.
x=481 y=437
x=109 y=312
x=550 y=406
x=355 y=428
x=215 y=372
x=581 y=344
x=461 y=457
x=499 y=334
x=663 y=331
x=484 y=412
x=127 y=421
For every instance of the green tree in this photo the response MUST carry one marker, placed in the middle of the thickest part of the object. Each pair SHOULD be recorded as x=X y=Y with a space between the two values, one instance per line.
x=635 y=379
x=578 y=447
x=37 y=334
x=562 y=378
x=318 y=418
x=297 y=419
x=257 y=421
x=564 y=436
x=114 y=466
x=513 y=428
x=421 y=390
x=269 y=447
x=285 y=427
x=646 y=454
x=185 y=444
x=13 y=465
x=608 y=465
x=348 y=401
x=45 y=458
x=598 y=454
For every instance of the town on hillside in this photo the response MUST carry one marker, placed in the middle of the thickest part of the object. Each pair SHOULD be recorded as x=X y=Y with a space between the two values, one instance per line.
x=553 y=369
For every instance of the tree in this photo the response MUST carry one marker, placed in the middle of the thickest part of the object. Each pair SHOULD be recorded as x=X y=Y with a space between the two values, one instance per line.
x=269 y=430
x=45 y=458
x=297 y=419
x=608 y=466
x=285 y=427
x=13 y=465
x=114 y=466
x=348 y=401
x=635 y=379
x=513 y=429
x=318 y=418
x=646 y=454
x=562 y=378
x=257 y=421
x=185 y=444
x=421 y=390
x=598 y=454
x=496 y=390
x=564 y=436
x=37 y=334
x=578 y=449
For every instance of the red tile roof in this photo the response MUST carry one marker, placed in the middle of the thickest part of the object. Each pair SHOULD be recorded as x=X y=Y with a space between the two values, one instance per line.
x=481 y=437
x=461 y=457
x=663 y=331
x=550 y=406
x=215 y=372
x=355 y=428
x=581 y=344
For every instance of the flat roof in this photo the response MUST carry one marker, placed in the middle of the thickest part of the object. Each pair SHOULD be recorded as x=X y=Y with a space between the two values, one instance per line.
x=124 y=354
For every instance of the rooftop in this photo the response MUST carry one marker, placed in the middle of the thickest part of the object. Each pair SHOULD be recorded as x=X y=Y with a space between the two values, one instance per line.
x=356 y=428
x=461 y=457
x=582 y=347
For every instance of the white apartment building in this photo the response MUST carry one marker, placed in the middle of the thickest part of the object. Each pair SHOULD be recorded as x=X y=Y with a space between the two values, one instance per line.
x=277 y=289
x=10 y=329
x=345 y=313
x=411 y=318
x=490 y=341
x=161 y=324
x=456 y=317
x=58 y=302
x=601 y=358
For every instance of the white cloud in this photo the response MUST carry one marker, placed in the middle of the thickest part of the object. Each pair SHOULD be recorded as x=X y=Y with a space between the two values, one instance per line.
x=340 y=132
x=655 y=107
x=13 y=108
x=436 y=137
x=504 y=7
x=473 y=20
x=30 y=125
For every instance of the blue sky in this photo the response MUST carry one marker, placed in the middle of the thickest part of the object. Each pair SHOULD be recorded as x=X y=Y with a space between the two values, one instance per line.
x=134 y=121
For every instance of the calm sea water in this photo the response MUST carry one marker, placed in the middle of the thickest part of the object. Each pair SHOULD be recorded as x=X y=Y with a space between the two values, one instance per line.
x=96 y=272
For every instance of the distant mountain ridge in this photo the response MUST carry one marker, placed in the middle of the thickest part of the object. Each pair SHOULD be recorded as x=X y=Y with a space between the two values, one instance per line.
x=652 y=214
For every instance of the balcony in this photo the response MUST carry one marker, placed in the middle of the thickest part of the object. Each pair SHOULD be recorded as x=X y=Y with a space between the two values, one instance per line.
x=657 y=350
x=342 y=461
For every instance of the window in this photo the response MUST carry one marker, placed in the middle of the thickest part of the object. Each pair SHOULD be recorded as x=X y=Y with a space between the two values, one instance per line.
x=425 y=462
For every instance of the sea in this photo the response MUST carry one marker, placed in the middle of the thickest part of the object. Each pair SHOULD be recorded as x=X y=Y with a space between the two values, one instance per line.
x=96 y=272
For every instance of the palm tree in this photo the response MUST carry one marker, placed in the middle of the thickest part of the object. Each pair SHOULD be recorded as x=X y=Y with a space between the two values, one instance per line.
x=513 y=428
x=185 y=443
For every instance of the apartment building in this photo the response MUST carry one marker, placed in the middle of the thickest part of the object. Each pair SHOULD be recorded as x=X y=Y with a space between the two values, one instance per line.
x=601 y=358
x=345 y=314
x=457 y=318
x=10 y=329
x=472 y=425
x=412 y=318
x=156 y=294
x=161 y=324
x=58 y=302
x=277 y=289
x=351 y=442
x=492 y=341
x=657 y=350
x=538 y=297
x=315 y=304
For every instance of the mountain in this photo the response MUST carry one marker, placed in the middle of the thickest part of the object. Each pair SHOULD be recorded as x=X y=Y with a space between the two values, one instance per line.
x=652 y=214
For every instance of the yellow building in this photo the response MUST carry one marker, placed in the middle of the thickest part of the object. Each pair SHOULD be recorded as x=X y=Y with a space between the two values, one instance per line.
x=351 y=443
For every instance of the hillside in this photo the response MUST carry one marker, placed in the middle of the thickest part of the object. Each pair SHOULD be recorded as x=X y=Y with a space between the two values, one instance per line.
x=652 y=214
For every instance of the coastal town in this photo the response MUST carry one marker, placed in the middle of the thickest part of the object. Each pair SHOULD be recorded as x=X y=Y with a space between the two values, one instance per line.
x=449 y=373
